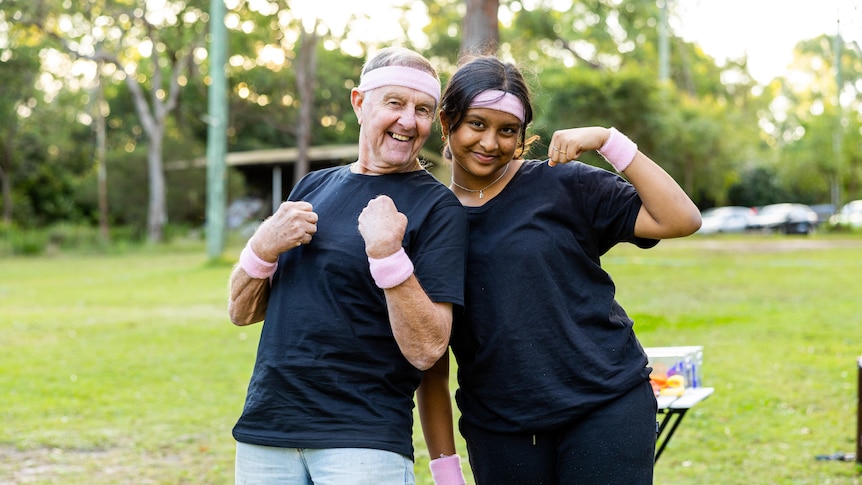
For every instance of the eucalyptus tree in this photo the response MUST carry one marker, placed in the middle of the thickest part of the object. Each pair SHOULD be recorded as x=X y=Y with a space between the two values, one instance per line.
x=815 y=117
x=148 y=45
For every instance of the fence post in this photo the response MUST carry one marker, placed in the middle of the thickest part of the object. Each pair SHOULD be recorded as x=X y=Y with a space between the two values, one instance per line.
x=859 y=414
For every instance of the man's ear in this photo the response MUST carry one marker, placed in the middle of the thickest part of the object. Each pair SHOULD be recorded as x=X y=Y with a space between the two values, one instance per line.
x=357 y=97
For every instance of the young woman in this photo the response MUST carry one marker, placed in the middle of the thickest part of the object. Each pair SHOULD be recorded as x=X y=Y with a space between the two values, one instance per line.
x=553 y=383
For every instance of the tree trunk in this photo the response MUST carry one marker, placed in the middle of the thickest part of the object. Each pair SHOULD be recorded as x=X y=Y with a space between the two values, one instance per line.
x=481 y=31
x=5 y=180
x=305 y=74
x=152 y=114
x=101 y=168
x=153 y=119
x=157 y=214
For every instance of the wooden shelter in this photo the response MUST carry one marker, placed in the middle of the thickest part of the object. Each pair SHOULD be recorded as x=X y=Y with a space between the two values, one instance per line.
x=269 y=171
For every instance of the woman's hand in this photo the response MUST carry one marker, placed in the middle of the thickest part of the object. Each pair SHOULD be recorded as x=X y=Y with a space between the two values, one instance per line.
x=569 y=145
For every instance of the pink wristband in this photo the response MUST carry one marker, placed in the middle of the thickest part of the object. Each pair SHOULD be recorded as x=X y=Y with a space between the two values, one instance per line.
x=446 y=470
x=618 y=150
x=392 y=270
x=253 y=265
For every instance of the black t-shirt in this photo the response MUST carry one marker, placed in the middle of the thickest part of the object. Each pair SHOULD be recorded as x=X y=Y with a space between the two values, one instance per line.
x=542 y=339
x=329 y=373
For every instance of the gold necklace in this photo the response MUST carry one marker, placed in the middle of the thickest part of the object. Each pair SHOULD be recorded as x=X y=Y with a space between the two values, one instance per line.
x=482 y=190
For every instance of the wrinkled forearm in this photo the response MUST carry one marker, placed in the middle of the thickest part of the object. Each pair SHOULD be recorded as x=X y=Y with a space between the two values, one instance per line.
x=248 y=298
x=421 y=327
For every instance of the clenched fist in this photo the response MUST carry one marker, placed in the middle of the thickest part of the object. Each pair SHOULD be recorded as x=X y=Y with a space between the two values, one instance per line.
x=293 y=224
x=382 y=227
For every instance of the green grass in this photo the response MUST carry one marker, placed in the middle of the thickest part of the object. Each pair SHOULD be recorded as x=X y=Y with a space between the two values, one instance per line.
x=125 y=368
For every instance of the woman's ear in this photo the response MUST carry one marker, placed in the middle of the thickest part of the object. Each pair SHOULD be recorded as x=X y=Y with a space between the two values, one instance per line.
x=444 y=123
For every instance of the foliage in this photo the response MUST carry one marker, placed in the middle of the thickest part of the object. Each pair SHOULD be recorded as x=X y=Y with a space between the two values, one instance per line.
x=597 y=62
x=62 y=238
x=19 y=67
x=757 y=186
x=689 y=141
x=49 y=163
x=266 y=117
x=809 y=123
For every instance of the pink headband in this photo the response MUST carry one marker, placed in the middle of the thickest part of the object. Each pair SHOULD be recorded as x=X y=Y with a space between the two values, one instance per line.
x=407 y=77
x=500 y=101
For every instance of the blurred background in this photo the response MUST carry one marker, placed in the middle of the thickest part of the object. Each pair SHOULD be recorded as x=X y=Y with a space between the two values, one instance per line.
x=126 y=120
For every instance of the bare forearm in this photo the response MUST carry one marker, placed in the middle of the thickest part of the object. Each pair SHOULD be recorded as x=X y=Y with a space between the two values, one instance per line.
x=420 y=327
x=434 y=403
x=248 y=298
x=667 y=210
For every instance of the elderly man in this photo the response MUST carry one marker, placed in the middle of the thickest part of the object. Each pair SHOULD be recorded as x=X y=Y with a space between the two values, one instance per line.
x=355 y=277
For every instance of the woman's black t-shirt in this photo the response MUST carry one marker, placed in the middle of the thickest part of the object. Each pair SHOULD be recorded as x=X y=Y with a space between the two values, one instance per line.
x=542 y=340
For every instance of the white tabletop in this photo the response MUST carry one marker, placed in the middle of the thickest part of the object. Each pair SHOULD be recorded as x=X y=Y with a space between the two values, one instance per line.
x=688 y=400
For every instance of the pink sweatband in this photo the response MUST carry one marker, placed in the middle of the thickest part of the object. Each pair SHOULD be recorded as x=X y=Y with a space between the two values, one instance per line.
x=500 y=101
x=401 y=76
x=253 y=265
x=446 y=470
x=392 y=270
x=618 y=150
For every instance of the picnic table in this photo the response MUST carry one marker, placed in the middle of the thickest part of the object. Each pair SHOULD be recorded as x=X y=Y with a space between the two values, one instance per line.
x=674 y=409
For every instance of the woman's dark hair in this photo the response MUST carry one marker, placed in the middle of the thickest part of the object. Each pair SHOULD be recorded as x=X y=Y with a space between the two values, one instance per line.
x=478 y=74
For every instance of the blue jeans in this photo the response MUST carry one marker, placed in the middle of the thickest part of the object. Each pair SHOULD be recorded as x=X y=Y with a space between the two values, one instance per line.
x=266 y=465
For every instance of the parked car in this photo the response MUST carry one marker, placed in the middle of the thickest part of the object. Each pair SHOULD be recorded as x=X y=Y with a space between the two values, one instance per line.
x=726 y=219
x=849 y=217
x=824 y=212
x=786 y=218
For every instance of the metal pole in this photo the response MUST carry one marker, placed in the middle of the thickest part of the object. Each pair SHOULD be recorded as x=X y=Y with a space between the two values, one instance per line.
x=276 y=187
x=859 y=414
x=838 y=133
x=663 y=44
x=217 y=133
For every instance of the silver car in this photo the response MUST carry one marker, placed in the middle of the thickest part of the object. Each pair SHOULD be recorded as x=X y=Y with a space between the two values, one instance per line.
x=726 y=219
x=849 y=217
x=786 y=218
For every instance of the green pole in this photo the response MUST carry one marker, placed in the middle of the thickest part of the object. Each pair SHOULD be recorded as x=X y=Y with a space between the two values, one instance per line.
x=838 y=132
x=663 y=44
x=217 y=133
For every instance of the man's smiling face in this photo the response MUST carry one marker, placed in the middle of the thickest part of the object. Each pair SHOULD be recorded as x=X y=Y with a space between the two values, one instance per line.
x=395 y=123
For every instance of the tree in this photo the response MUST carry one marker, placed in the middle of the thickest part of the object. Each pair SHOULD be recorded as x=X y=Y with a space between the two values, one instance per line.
x=151 y=50
x=99 y=114
x=306 y=72
x=597 y=63
x=480 y=32
x=19 y=67
x=814 y=109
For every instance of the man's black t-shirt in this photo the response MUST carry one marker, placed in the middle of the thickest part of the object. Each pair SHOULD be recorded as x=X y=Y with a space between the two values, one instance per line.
x=329 y=373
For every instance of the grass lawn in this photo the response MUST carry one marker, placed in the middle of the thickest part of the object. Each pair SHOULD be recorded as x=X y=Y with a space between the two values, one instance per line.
x=125 y=368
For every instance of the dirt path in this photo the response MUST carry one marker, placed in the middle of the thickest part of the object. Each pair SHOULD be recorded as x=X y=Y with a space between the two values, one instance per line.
x=766 y=245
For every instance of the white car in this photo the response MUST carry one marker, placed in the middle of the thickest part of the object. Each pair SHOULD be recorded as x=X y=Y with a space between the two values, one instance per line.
x=850 y=216
x=785 y=218
x=726 y=219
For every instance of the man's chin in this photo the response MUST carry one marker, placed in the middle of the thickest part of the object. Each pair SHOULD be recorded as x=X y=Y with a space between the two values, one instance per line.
x=401 y=158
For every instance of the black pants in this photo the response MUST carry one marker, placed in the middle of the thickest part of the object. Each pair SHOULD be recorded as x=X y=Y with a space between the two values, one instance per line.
x=612 y=445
